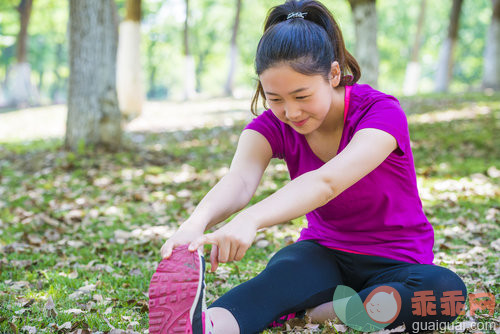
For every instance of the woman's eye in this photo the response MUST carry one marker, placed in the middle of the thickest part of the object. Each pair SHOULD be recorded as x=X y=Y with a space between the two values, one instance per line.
x=301 y=97
x=274 y=100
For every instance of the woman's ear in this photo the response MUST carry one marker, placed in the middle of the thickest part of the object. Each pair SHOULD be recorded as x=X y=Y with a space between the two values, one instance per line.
x=335 y=74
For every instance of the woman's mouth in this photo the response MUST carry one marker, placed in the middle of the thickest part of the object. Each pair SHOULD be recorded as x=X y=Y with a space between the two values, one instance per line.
x=301 y=122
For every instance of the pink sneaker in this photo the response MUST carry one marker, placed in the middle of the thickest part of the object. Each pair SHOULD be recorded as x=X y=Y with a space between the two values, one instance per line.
x=177 y=295
x=280 y=322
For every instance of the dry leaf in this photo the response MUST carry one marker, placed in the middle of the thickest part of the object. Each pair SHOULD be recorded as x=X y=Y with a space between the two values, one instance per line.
x=74 y=311
x=66 y=325
x=13 y=327
x=117 y=331
x=50 y=308
x=34 y=240
x=98 y=298
x=135 y=272
x=29 y=329
x=340 y=328
x=29 y=303
x=73 y=274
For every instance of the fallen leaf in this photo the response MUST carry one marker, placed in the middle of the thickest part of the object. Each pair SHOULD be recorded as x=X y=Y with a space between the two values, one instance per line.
x=50 y=308
x=80 y=331
x=98 y=298
x=262 y=243
x=21 y=264
x=20 y=285
x=88 y=288
x=74 y=311
x=29 y=329
x=33 y=239
x=13 y=327
x=49 y=220
x=340 y=328
x=21 y=311
x=82 y=291
x=75 y=243
x=73 y=275
x=52 y=235
x=28 y=303
x=66 y=325
x=135 y=272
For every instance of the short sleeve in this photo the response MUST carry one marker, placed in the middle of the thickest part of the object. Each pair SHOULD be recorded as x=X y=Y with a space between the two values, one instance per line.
x=388 y=116
x=270 y=127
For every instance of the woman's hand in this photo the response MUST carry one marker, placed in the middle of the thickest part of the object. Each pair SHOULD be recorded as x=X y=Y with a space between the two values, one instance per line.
x=230 y=242
x=187 y=233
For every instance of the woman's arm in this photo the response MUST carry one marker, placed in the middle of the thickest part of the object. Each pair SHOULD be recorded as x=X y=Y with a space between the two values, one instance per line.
x=236 y=188
x=230 y=194
x=367 y=149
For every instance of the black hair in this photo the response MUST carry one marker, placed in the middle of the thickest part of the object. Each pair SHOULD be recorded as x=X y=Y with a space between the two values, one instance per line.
x=309 y=43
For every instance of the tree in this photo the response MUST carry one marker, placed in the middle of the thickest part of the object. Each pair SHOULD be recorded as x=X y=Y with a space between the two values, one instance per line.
x=412 y=75
x=445 y=64
x=129 y=71
x=189 y=69
x=491 y=75
x=365 y=22
x=93 y=113
x=20 y=90
x=233 y=53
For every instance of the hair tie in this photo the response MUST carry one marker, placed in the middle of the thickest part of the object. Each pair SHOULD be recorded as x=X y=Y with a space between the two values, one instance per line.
x=296 y=15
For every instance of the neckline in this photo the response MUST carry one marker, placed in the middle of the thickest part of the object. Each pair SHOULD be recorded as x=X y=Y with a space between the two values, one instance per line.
x=347 y=98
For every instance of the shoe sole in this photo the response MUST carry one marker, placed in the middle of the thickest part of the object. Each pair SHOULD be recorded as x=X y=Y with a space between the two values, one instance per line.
x=174 y=293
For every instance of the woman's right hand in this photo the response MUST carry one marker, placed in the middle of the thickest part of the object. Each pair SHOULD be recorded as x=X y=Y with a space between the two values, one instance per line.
x=186 y=234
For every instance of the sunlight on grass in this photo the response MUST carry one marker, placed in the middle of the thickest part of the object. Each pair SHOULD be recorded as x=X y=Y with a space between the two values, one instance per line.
x=469 y=112
x=86 y=230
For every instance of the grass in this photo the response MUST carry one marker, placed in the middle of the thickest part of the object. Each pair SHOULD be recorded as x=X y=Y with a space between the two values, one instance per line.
x=84 y=230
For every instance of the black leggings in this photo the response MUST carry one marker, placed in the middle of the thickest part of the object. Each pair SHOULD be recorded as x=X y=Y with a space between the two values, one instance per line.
x=305 y=274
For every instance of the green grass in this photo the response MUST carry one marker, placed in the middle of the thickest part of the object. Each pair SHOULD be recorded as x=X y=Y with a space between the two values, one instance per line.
x=61 y=214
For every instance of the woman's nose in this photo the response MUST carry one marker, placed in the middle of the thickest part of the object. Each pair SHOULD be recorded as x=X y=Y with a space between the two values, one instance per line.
x=292 y=113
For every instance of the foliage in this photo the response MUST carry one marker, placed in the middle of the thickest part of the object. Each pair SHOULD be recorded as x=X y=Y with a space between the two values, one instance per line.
x=80 y=234
x=210 y=34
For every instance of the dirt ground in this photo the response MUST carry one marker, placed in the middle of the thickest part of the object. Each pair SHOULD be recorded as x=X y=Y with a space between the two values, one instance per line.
x=157 y=116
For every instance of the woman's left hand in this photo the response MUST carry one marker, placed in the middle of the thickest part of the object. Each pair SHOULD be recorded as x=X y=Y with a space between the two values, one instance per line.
x=230 y=242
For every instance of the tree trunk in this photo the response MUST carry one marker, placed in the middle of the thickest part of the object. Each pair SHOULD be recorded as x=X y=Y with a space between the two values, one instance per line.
x=20 y=91
x=189 y=67
x=93 y=114
x=22 y=39
x=233 y=53
x=365 y=22
x=491 y=75
x=445 y=65
x=410 y=86
x=129 y=70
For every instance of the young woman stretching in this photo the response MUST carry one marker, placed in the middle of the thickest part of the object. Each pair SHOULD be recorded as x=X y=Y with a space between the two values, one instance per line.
x=347 y=149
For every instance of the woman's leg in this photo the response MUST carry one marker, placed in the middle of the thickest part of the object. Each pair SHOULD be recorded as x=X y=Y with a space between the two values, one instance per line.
x=430 y=295
x=223 y=320
x=322 y=313
x=299 y=276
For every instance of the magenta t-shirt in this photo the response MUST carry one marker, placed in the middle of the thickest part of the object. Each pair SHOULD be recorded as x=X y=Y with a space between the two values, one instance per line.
x=382 y=213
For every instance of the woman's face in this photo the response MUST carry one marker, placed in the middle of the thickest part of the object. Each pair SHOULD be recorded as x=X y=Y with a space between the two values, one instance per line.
x=301 y=101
